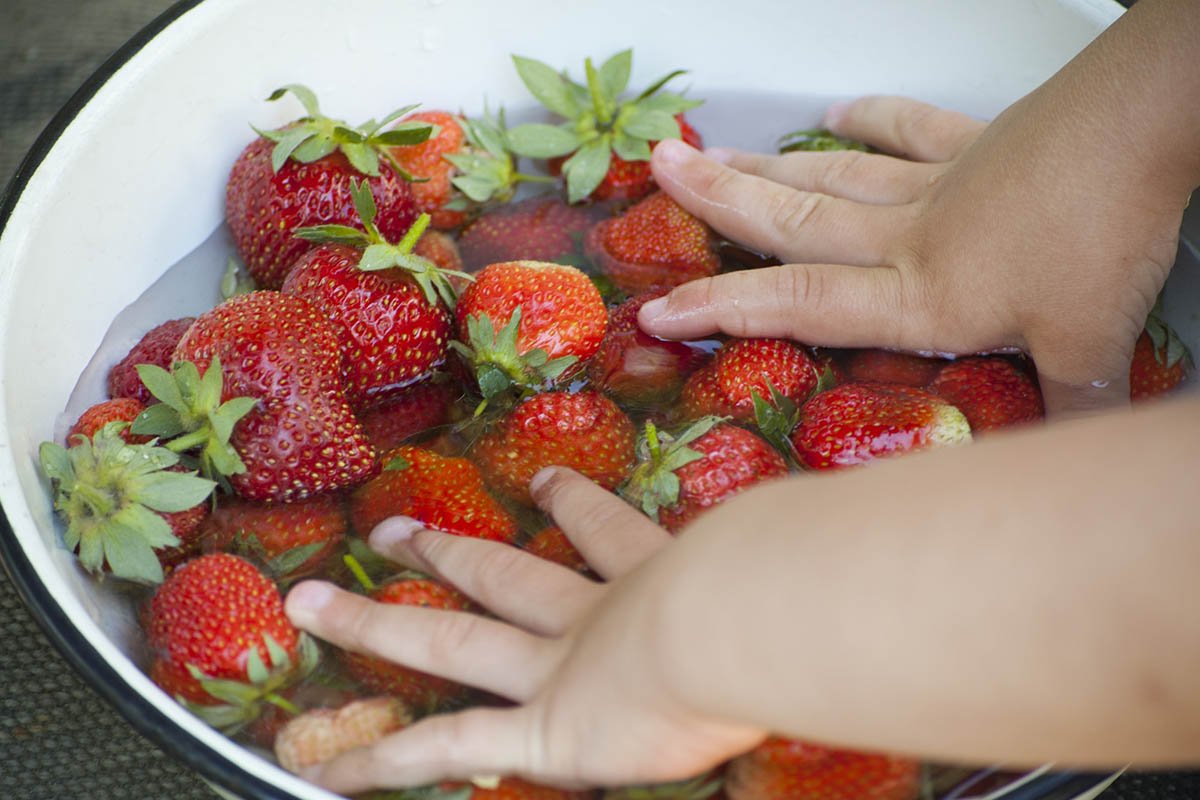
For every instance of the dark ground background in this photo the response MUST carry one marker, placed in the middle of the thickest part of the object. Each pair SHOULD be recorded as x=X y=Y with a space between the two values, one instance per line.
x=58 y=739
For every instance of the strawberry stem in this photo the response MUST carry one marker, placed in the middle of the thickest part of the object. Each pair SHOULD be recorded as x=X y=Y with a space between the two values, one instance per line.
x=653 y=443
x=97 y=500
x=359 y=573
x=603 y=113
x=409 y=241
x=282 y=702
x=185 y=443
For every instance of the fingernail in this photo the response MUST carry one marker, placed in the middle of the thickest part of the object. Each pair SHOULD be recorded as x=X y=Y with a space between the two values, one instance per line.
x=310 y=597
x=722 y=155
x=653 y=309
x=835 y=113
x=673 y=151
x=540 y=479
x=392 y=531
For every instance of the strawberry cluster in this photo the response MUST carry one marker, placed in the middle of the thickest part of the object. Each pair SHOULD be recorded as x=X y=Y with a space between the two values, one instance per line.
x=416 y=341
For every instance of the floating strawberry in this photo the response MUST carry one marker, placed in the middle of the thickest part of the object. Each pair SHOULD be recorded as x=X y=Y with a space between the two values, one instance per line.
x=399 y=416
x=446 y=494
x=120 y=409
x=743 y=368
x=887 y=366
x=542 y=228
x=990 y=392
x=608 y=140
x=584 y=431
x=859 y=422
x=680 y=477
x=787 y=768
x=300 y=175
x=292 y=538
x=154 y=348
x=1161 y=361
x=654 y=246
x=553 y=545
x=221 y=642
x=324 y=733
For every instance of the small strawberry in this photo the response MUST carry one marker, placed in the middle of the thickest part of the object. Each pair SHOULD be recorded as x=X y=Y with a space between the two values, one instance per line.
x=743 y=368
x=1161 y=360
x=427 y=161
x=446 y=494
x=887 y=366
x=680 y=477
x=654 y=246
x=154 y=348
x=635 y=368
x=553 y=545
x=542 y=228
x=300 y=175
x=120 y=409
x=608 y=140
x=397 y=417
x=503 y=789
x=221 y=642
x=442 y=250
x=584 y=431
x=990 y=392
x=859 y=422
x=324 y=733
x=293 y=538
x=787 y=768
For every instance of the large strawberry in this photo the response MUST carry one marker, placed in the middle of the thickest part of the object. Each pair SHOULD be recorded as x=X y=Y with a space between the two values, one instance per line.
x=154 y=348
x=1161 y=360
x=446 y=494
x=401 y=415
x=390 y=307
x=786 y=768
x=608 y=140
x=541 y=228
x=888 y=366
x=859 y=422
x=324 y=733
x=584 y=431
x=221 y=642
x=744 y=368
x=293 y=538
x=990 y=392
x=654 y=246
x=680 y=477
x=300 y=175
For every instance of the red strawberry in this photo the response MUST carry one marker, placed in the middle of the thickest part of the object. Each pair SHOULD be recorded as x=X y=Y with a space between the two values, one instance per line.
x=418 y=690
x=786 y=768
x=585 y=431
x=553 y=545
x=397 y=417
x=221 y=641
x=635 y=368
x=506 y=789
x=654 y=246
x=540 y=228
x=446 y=494
x=859 y=422
x=301 y=438
x=681 y=477
x=990 y=392
x=300 y=175
x=1161 y=361
x=426 y=160
x=743 y=368
x=887 y=366
x=442 y=250
x=120 y=409
x=324 y=733
x=294 y=538
x=155 y=348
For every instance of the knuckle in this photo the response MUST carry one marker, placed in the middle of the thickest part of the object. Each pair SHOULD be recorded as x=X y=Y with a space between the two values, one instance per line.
x=793 y=213
x=914 y=122
x=720 y=181
x=840 y=170
x=449 y=635
x=494 y=571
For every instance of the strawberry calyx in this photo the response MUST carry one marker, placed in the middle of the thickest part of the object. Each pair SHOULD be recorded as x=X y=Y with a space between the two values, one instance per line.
x=108 y=491
x=499 y=367
x=654 y=484
x=778 y=417
x=280 y=567
x=598 y=122
x=1169 y=349
x=817 y=140
x=379 y=254
x=485 y=169
x=314 y=136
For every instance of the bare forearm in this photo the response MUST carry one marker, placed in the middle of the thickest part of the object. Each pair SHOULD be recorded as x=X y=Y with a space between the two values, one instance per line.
x=1033 y=597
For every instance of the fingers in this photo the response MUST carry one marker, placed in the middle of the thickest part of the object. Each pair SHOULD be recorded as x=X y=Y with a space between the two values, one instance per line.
x=463 y=647
x=819 y=304
x=536 y=594
x=770 y=217
x=851 y=175
x=904 y=127
x=613 y=536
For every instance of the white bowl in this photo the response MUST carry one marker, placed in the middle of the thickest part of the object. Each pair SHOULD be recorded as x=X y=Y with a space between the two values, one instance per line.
x=128 y=180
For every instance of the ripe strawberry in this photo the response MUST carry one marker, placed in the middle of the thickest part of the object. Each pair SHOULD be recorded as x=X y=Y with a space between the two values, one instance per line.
x=553 y=545
x=506 y=789
x=221 y=642
x=990 y=392
x=300 y=175
x=446 y=494
x=155 y=348
x=427 y=160
x=391 y=421
x=1161 y=361
x=680 y=477
x=293 y=538
x=887 y=366
x=635 y=368
x=120 y=409
x=301 y=438
x=324 y=733
x=542 y=228
x=654 y=246
x=743 y=368
x=608 y=139
x=859 y=422
x=584 y=431
x=418 y=690
x=442 y=250
x=787 y=768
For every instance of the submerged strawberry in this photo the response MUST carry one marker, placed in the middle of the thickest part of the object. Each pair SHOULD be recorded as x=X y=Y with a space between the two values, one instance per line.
x=292 y=538
x=540 y=228
x=1161 y=361
x=787 y=768
x=743 y=368
x=990 y=392
x=887 y=366
x=553 y=545
x=155 y=347
x=399 y=416
x=324 y=733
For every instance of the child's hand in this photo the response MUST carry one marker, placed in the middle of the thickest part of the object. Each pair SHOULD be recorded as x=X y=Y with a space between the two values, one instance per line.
x=593 y=706
x=972 y=239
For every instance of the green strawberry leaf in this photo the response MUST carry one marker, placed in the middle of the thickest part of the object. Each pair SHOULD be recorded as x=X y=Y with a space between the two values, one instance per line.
x=586 y=169
x=537 y=140
x=236 y=281
x=776 y=420
x=314 y=149
x=170 y=491
x=162 y=385
x=651 y=125
x=653 y=88
x=287 y=144
x=614 y=73
x=630 y=148
x=363 y=158
x=668 y=103
x=306 y=96
x=130 y=557
x=817 y=140
x=406 y=133
x=550 y=88
x=332 y=234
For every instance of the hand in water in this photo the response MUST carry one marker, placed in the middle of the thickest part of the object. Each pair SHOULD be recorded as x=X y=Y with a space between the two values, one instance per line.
x=968 y=238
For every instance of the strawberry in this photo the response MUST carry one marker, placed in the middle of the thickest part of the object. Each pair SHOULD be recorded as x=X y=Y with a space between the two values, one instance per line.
x=427 y=160
x=293 y=538
x=120 y=409
x=442 y=250
x=399 y=416
x=680 y=477
x=584 y=431
x=221 y=642
x=859 y=422
x=123 y=504
x=553 y=545
x=418 y=690
x=1161 y=360
x=608 y=140
x=654 y=246
x=446 y=494
x=990 y=392
x=887 y=366
x=787 y=768
x=743 y=368
x=388 y=306
x=300 y=175
x=542 y=228
x=324 y=733
x=701 y=787
x=635 y=368
x=299 y=437
x=503 y=789
x=155 y=348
